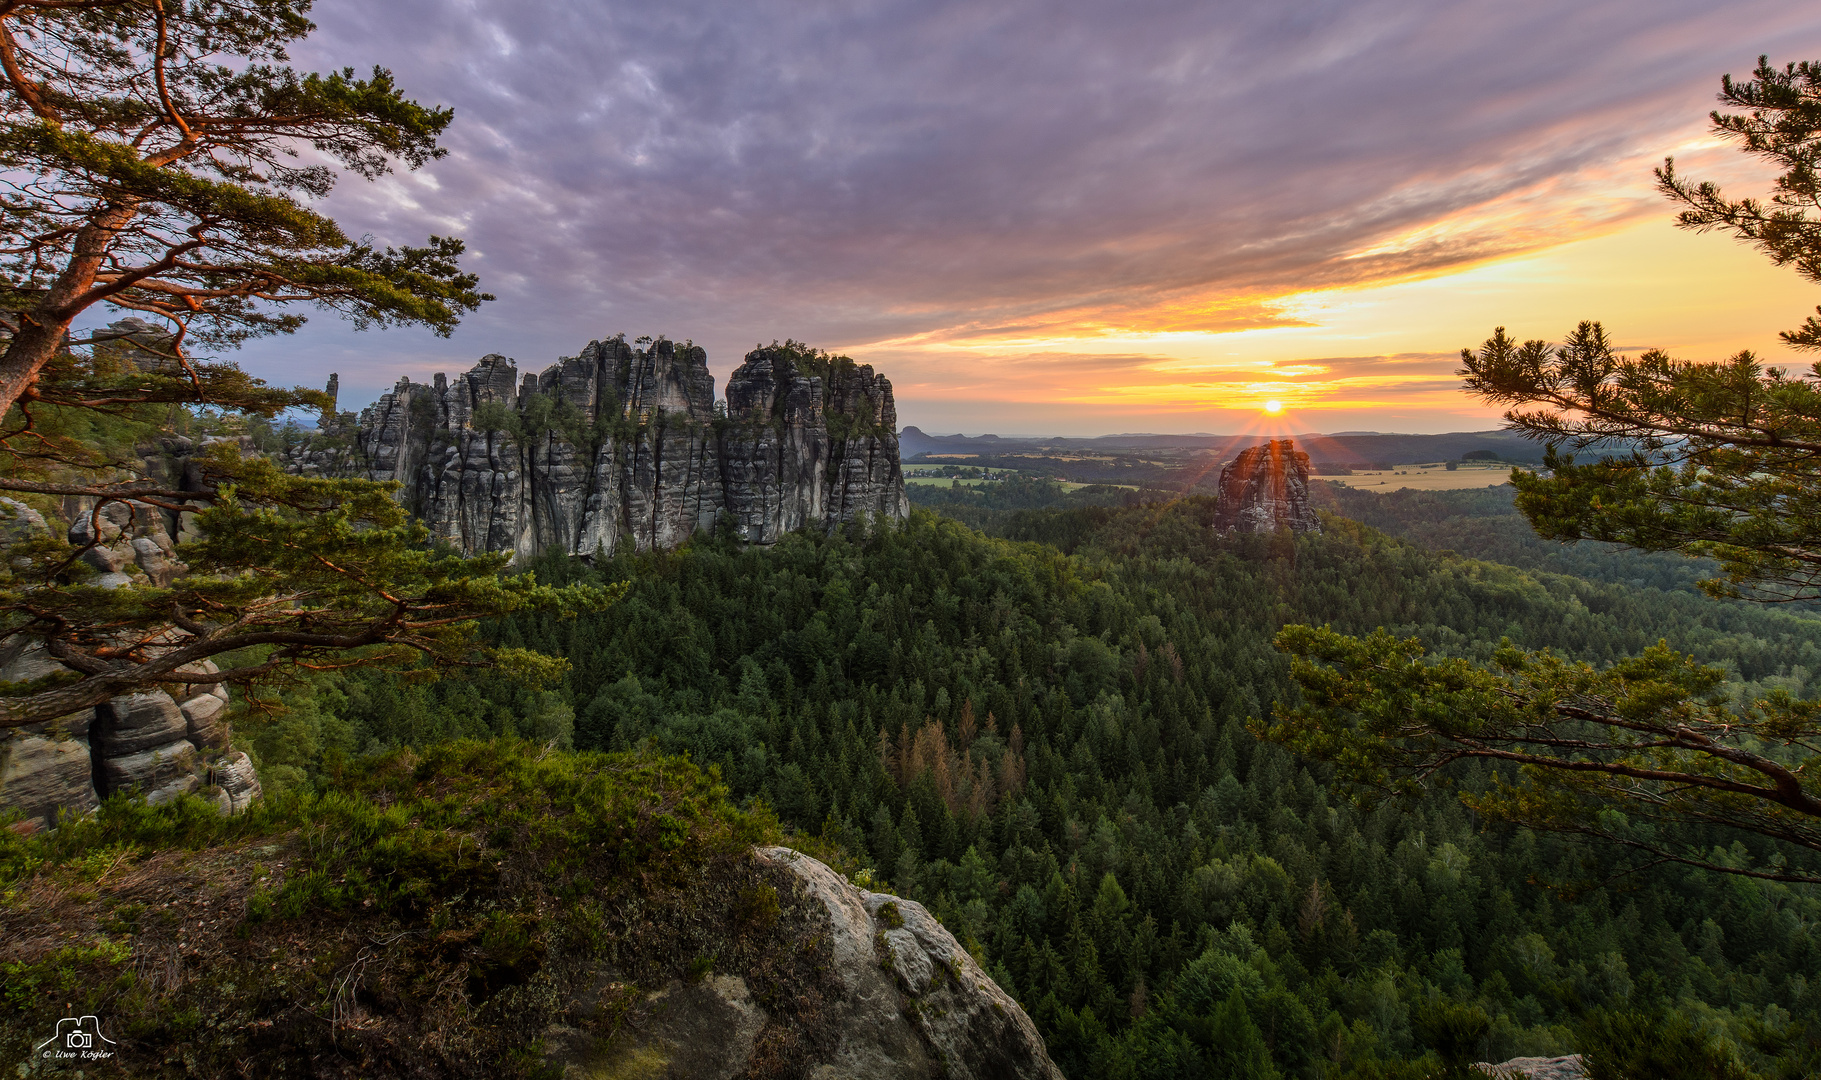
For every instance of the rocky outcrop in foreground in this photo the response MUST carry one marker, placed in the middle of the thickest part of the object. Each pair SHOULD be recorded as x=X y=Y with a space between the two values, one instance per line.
x=625 y=445
x=1265 y=489
x=906 y=1002
x=917 y=1003
x=573 y=916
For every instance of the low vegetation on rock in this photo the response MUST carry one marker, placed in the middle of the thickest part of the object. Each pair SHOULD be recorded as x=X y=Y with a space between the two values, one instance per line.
x=432 y=914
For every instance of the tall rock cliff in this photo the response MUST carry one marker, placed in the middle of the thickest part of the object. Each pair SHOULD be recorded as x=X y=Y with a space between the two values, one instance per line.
x=625 y=445
x=1265 y=489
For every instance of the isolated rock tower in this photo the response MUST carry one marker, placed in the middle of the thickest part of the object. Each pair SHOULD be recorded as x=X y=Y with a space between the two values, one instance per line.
x=1265 y=489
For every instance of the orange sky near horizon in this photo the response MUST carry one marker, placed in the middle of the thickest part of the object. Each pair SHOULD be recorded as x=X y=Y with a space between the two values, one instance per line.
x=1377 y=357
x=1381 y=355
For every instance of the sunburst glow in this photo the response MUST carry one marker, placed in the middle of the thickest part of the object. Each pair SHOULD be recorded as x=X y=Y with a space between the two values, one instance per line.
x=1274 y=406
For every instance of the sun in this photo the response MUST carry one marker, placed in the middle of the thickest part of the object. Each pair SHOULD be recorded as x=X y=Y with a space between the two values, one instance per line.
x=1274 y=406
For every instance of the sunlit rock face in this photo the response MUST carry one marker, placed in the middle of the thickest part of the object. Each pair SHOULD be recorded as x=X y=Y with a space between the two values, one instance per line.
x=1265 y=489
x=624 y=445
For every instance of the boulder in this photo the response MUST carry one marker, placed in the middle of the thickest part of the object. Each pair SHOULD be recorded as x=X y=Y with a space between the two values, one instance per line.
x=917 y=1003
x=152 y=558
x=124 y=536
x=893 y=997
x=144 y=742
x=23 y=659
x=205 y=667
x=19 y=521
x=160 y=774
x=206 y=720
x=238 y=781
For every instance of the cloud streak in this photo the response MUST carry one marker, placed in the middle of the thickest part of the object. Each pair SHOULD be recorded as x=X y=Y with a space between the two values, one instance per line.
x=897 y=174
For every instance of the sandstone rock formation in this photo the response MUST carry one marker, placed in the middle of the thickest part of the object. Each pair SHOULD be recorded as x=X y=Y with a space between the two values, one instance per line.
x=624 y=444
x=1265 y=489
x=905 y=973
x=151 y=743
x=909 y=1004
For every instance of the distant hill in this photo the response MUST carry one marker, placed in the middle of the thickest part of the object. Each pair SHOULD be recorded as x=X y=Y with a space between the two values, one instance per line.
x=1347 y=448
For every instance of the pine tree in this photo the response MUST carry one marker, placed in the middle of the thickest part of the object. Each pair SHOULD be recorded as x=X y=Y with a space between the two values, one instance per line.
x=1239 y=1051
x=1720 y=460
x=149 y=152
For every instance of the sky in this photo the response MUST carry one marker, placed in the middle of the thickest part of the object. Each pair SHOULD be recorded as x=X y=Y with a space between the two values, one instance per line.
x=1068 y=218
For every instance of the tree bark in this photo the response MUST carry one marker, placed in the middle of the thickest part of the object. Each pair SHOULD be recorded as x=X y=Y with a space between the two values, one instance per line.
x=43 y=328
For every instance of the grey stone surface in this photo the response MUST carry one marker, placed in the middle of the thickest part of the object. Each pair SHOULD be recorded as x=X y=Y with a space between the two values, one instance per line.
x=205 y=667
x=918 y=1005
x=22 y=660
x=1536 y=1068
x=907 y=1003
x=134 y=723
x=206 y=721
x=159 y=771
x=123 y=537
x=146 y=742
x=238 y=780
x=623 y=445
x=1266 y=488
x=19 y=521
x=702 y=1032
x=181 y=784
x=141 y=743
x=43 y=772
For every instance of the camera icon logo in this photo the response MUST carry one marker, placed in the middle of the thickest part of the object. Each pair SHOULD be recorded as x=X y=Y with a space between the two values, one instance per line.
x=77 y=1038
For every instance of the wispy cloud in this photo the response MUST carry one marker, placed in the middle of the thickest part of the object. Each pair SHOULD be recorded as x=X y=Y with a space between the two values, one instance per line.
x=896 y=174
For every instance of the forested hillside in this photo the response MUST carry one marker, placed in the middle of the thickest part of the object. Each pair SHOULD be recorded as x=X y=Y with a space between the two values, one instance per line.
x=1045 y=741
x=1485 y=523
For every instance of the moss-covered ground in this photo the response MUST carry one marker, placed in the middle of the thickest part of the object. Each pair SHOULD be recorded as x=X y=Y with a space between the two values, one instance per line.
x=432 y=915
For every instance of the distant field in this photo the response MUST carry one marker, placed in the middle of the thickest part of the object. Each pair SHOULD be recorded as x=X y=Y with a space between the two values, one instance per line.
x=1424 y=478
x=943 y=481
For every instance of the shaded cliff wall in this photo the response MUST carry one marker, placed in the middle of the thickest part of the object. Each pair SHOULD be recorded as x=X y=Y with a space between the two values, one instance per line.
x=1265 y=489
x=625 y=445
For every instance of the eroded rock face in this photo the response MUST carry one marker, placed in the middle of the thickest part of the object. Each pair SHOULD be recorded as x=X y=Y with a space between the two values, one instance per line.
x=44 y=772
x=892 y=996
x=1265 y=489
x=918 y=1005
x=149 y=743
x=623 y=445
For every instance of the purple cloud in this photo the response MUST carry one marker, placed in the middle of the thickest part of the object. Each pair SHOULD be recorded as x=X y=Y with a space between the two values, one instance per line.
x=851 y=172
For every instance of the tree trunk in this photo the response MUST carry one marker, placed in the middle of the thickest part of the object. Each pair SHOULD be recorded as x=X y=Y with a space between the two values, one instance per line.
x=42 y=329
x=36 y=342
